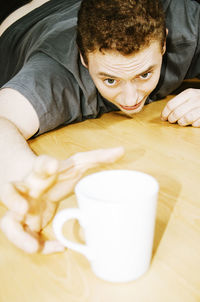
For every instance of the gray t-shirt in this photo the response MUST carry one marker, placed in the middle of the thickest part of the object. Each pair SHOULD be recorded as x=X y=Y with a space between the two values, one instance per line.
x=182 y=57
x=39 y=58
x=43 y=64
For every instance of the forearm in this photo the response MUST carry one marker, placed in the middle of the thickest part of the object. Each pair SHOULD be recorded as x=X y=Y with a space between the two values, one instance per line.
x=16 y=158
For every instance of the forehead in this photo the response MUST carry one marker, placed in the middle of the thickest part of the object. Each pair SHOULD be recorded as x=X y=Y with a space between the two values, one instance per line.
x=114 y=62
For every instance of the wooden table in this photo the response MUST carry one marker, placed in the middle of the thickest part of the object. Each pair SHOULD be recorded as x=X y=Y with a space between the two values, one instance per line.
x=168 y=152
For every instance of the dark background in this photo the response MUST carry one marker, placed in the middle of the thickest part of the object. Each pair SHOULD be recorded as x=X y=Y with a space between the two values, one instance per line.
x=8 y=6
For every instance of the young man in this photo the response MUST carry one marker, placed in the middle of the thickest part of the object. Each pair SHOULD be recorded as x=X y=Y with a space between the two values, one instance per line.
x=55 y=73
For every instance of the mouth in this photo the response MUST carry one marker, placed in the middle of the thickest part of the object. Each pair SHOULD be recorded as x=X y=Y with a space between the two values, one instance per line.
x=129 y=108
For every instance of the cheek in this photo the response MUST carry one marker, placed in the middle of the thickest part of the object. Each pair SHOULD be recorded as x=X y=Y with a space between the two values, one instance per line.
x=156 y=76
x=155 y=81
x=152 y=84
x=149 y=86
x=107 y=93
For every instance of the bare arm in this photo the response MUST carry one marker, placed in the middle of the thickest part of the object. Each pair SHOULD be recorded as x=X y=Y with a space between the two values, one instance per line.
x=30 y=185
x=18 y=122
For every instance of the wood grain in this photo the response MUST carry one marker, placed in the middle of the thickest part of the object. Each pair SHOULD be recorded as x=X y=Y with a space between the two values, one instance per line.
x=168 y=152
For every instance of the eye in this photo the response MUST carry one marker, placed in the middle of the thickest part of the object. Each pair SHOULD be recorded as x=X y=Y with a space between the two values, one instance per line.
x=145 y=75
x=110 y=82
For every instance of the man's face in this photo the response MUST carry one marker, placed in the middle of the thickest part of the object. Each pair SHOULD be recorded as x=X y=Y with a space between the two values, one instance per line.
x=126 y=81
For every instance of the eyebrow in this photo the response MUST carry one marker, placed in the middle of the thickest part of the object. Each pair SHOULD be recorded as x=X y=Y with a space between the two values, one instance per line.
x=107 y=75
x=104 y=74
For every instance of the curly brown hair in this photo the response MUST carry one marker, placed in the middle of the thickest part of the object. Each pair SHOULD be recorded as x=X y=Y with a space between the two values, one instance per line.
x=122 y=25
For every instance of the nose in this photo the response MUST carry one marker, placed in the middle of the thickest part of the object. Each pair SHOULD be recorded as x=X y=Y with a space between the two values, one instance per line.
x=129 y=95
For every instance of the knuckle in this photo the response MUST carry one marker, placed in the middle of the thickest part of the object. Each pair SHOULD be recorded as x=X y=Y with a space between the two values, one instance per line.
x=31 y=246
x=169 y=106
x=196 y=123
x=44 y=160
x=173 y=116
x=190 y=92
x=182 y=121
x=9 y=222
x=176 y=115
x=13 y=230
x=189 y=117
x=182 y=124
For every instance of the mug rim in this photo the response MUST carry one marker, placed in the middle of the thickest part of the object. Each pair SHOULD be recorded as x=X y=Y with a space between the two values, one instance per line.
x=79 y=191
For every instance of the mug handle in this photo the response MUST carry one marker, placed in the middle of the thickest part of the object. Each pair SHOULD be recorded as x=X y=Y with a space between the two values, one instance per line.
x=58 y=222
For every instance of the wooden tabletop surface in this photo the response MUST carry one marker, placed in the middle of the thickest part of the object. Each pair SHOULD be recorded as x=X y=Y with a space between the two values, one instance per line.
x=168 y=152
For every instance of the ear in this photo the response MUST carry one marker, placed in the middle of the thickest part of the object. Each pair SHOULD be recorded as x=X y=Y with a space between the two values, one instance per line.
x=82 y=61
x=164 y=47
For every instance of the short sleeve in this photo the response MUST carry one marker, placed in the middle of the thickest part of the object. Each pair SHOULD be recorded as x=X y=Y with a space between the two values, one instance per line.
x=51 y=89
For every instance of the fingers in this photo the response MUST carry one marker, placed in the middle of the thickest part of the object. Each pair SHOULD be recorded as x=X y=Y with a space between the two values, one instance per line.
x=15 y=195
x=43 y=176
x=12 y=228
x=13 y=200
x=29 y=242
x=190 y=118
x=30 y=209
x=184 y=108
x=52 y=247
x=73 y=168
x=106 y=155
x=85 y=160
x=45 y=166
x=174 y=103
x=182 y=111
x=196 y=123
x=63 y=188
x=48 y=213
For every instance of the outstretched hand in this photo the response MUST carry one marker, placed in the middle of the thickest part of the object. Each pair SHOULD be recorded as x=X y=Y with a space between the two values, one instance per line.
x=32 y=202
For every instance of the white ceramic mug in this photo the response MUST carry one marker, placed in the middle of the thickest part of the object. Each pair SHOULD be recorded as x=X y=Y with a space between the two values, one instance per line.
x=117 y=211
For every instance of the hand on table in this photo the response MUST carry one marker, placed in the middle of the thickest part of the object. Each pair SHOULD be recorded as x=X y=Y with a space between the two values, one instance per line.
x=32 y=202
x=184 y=108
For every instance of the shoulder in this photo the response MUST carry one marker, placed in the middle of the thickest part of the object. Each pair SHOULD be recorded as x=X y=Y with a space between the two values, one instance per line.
x=182 y=21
